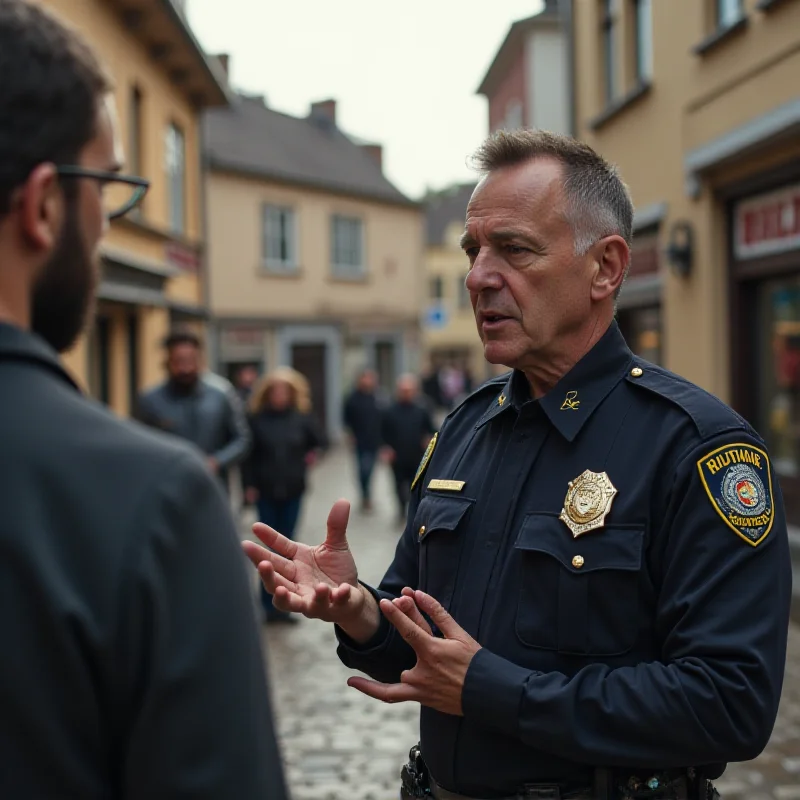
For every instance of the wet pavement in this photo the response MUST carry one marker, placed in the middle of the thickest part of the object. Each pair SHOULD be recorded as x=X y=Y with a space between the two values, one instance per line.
x=340 y=745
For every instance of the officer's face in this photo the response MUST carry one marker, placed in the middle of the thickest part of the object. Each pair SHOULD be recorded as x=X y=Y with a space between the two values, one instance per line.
x=528 y=288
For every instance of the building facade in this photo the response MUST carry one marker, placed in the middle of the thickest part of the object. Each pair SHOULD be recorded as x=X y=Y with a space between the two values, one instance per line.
x=315 y=257
x=697 y=101
x=153 y=260
x=449 y=334
x=528 y=82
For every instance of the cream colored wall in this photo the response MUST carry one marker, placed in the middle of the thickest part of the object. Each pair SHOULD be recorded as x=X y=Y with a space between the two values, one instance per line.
x=162 y=103
x=693 y=100
x=240 y=287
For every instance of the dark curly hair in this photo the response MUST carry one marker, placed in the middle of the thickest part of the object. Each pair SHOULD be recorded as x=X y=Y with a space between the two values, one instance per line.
x=52 y=83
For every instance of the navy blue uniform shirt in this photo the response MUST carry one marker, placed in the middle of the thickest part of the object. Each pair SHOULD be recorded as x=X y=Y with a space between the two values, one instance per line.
x=656 y=640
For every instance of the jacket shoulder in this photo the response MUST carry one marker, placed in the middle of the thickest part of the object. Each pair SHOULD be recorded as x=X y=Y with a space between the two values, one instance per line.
x=708 y=413
x=479 y=398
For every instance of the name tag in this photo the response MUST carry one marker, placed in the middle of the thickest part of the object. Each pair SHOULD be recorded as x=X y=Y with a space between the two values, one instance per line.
x=446 y=486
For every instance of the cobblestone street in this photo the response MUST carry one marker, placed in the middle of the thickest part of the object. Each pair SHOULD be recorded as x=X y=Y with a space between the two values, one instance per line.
x=340 y=745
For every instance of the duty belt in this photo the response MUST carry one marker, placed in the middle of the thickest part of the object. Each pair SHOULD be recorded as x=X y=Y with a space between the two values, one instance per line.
x=608 y=785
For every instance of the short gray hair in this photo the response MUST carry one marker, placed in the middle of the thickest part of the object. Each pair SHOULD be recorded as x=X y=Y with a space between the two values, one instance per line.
x=598 y=203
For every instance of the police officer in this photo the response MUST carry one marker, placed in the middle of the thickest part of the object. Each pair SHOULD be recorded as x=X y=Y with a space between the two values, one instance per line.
x=591 y=596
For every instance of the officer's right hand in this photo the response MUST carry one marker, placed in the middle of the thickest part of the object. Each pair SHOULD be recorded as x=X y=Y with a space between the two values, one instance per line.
x=319 y=582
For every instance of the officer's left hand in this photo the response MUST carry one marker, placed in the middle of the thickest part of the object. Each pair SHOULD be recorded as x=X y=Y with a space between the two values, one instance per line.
x=438 y=677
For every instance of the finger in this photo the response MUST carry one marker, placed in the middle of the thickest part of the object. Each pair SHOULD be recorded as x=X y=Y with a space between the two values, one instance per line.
x=409 y=608
x=284 y=600
x=416 y=636
x=274 y=540
x=272 y=579
x=436 y=611
x=281 y=565
x=386 y=692
x=336 y=538
x=255 y=552
x=321 y=599
x=341 y=594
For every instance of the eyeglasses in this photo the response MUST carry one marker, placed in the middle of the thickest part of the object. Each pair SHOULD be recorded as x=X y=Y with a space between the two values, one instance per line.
x=121 y=193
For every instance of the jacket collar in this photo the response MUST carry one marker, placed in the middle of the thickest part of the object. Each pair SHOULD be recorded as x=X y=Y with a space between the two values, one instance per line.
x=20 y=345
x=573 y=400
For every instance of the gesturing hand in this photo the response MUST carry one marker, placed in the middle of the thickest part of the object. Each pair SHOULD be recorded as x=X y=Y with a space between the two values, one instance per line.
x=319 y=582
x=437 y=680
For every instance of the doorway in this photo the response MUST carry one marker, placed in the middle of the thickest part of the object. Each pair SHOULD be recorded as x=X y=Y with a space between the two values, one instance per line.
x=309 y=360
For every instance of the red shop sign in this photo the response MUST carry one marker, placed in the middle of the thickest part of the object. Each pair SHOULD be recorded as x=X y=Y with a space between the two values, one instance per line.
x=768 y=223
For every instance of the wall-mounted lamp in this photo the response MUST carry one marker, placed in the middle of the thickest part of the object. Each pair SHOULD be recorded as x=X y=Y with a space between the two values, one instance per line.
x=680 y=248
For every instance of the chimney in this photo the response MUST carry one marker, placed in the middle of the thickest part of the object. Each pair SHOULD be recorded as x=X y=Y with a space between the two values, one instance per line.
x=324 y=111
x=224 y=62
x=375 y=152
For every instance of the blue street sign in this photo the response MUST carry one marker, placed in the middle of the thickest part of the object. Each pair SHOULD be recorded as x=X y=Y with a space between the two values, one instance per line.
x=436 y=317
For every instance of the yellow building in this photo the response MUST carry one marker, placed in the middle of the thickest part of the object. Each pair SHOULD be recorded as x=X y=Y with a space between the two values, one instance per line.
x=449 y=333
x=153 y=260
x=698 y=102
x=315 y=257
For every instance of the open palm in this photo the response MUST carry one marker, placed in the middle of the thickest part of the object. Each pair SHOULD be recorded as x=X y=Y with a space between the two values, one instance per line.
x=319 y=582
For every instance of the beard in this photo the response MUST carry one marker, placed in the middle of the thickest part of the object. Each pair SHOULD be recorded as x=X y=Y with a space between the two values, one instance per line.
x=63 y=297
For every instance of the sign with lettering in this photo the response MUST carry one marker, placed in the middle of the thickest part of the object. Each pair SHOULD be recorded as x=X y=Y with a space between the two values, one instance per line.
x=768 y=223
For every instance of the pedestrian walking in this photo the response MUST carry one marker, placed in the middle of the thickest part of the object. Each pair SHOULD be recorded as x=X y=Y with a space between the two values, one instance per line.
x=407 y=429
x=591 y=596
x=363 y=417
x=197 y=406
x=132 y=665
x=286 y=440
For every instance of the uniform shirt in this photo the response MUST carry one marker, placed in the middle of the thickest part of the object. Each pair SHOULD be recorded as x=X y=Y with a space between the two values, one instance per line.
x=655 y=641
x=132 y=663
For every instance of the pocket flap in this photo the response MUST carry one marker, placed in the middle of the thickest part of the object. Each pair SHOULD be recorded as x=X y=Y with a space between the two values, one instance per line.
x=609 y=547
x=436 y=513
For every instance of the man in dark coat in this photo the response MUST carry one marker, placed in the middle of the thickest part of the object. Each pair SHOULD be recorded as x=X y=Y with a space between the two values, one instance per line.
x=407 y=429
x=363 y=418
x=132 y=664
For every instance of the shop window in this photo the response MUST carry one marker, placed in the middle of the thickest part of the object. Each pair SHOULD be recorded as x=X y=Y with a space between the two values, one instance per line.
x=779 y=382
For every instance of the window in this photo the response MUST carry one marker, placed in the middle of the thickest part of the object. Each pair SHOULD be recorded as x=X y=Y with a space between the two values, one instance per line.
x=176 y=178
x=513 y=120
x=279 y=249
x=347 y=258
x=610 y=51
x=437 y=288
x=643 y=20
x=729 y=12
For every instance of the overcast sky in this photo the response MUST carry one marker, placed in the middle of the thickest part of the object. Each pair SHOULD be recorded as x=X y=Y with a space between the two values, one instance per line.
x=404 y=74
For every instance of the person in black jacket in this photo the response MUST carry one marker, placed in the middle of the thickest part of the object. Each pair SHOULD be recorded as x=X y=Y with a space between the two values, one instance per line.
x=363 y=418
x=132 y=667
x=407 y=429
x=286 y=440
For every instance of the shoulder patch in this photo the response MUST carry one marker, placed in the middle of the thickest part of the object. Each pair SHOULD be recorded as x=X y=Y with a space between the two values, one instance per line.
x=738 y=481
x=425 y=459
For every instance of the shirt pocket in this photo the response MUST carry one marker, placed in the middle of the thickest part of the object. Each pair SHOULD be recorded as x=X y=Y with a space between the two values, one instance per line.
x=439 y=524
x=578 y=596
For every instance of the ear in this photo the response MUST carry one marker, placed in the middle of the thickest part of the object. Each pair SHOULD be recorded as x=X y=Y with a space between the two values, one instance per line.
x=41 y=208
x=612 y=258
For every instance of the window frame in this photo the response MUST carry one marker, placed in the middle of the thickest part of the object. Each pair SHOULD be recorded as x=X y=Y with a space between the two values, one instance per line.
x=342 y=270
x=268 y=263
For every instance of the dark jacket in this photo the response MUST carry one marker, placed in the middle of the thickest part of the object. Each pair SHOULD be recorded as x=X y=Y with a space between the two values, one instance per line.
x=210 y=416
x=132 y=664
x=642 y=634
x=363 y=417
x=406 y=427
x=276 y=465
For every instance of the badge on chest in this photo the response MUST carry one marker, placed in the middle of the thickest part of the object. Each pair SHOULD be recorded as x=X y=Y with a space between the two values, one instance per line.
x=588 y=502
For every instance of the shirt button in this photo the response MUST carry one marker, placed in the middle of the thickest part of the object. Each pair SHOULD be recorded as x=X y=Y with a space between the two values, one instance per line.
x=422 y=530
x=577 y=562
x=636 y=372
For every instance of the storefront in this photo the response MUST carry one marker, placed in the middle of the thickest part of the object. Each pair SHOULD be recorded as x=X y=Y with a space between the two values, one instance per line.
x=764 y=219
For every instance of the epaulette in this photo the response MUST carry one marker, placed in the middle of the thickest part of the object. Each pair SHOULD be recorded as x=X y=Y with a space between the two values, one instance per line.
x=710 y=415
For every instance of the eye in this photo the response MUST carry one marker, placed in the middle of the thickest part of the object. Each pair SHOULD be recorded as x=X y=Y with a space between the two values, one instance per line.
x=472 y=252
x=516 y=250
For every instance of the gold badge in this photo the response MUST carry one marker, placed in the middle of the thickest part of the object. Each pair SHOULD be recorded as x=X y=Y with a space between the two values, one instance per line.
x=571 y=402
x=438 y=484
x=587 y=503
x=501 y=399
x=425 y=459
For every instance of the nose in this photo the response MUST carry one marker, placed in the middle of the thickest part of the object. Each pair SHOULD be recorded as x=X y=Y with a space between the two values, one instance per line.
x=484 y=273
